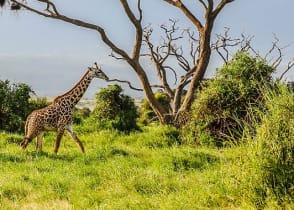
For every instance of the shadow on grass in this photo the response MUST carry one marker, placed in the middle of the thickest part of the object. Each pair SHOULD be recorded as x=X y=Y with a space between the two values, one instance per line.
x=14 y=139
x=119 y=152
x=198 y=161
x=52 y=156
x=34 y=155
x=4 y=157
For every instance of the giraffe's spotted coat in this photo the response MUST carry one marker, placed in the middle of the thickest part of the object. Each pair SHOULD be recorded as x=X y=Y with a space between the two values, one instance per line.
x=58 y=115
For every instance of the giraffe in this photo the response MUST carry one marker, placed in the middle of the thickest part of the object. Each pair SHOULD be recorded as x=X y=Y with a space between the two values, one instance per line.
x=58 y=115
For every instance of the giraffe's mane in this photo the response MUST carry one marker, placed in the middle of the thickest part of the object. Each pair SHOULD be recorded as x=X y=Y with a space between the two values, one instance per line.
x=58 y=97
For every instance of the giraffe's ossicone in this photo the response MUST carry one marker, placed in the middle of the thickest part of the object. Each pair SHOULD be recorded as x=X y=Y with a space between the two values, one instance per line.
x=58 y=115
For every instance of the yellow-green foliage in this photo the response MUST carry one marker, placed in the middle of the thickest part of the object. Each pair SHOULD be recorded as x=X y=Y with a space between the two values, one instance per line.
x=226 y=103
x=276 y=136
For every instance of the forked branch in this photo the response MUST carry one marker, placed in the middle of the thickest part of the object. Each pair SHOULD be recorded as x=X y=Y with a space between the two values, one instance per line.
x=131 y=86
x=126 y=82
x=288 y=68
x=187 y=12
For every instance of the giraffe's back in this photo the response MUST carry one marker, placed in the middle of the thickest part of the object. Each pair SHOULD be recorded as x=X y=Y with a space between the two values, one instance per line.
x=42 y=119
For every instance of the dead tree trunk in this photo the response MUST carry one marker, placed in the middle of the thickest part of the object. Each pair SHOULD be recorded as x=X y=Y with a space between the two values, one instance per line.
x=204 y=29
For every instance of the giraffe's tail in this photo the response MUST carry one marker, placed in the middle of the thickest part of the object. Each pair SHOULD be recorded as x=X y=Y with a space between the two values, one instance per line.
x=27 y=125
x=26 y=140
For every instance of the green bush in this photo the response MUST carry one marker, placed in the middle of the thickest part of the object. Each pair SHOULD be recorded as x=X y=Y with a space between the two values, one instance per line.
x=276 y=135
x=80 y=114
x=115 y=110
x=226 y=103
x=14 y=105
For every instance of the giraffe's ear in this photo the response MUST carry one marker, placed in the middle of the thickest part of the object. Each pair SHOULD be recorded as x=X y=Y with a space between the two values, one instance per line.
x=96 y=65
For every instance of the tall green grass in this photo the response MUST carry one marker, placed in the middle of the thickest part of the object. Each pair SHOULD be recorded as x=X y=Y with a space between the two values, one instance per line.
x=276 y=138
x=151 y=169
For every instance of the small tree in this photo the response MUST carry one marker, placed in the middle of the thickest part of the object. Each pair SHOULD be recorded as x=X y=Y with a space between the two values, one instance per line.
x=115 y=110
x=228 y=101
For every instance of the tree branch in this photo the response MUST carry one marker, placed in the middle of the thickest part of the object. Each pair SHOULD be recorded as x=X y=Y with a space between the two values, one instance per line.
x=289 y=66
x=194 y=46
x=137 y=23
x=187 y=12
x=219 y=7
x=131 y=86
x=55 y=15
x=223 y=42
x=162 y=52
x=203 y=4
x=127 y=82
x=208 y=11
x=50 y=5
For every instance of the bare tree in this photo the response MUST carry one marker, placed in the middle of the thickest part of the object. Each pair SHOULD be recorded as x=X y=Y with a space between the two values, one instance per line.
x=204 y=29
x=192 y=69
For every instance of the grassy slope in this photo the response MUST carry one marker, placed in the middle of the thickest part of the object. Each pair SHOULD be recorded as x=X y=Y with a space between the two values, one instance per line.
x=147 y=170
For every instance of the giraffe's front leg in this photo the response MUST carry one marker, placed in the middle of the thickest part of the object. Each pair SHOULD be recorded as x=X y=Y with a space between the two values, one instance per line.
x=58 y=139
x=74 y=136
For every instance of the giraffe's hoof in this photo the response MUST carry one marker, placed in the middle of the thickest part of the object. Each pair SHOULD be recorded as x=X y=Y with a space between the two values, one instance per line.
x=24 y=144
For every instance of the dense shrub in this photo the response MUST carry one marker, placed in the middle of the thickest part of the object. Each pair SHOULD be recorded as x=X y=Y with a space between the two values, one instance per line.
x=14 y=105
x=80 y=114
x=147 y=115
x=115 y=110
x=227 y=102
x=276 y=136
x=84 y=112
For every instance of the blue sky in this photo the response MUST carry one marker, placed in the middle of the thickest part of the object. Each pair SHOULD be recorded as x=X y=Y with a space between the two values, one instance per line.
x=51 y=56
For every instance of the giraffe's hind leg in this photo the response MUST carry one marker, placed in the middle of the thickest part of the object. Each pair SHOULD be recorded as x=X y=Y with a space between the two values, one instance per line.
x=39 y=141
x=74 y=136
x=25 y=142
x=58 y=140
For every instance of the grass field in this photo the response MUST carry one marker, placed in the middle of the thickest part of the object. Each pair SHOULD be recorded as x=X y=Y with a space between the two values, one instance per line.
x=144 y=170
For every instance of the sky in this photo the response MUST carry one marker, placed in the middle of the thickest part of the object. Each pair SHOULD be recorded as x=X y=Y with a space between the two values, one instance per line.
x=51 y=56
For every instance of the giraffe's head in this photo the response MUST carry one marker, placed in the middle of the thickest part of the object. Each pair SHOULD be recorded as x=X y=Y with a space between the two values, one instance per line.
x=95 y=71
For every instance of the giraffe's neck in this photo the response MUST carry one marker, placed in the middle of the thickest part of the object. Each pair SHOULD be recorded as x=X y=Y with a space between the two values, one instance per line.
x=73 y=96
